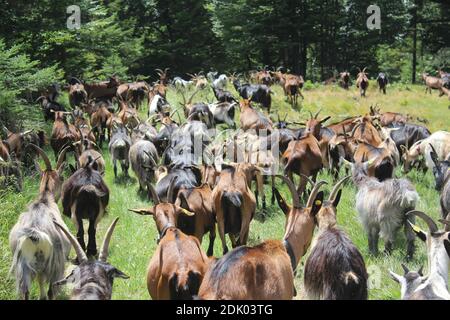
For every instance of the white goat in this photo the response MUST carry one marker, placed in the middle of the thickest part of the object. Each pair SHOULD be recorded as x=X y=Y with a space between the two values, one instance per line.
x=382 y=207
x=220 y=82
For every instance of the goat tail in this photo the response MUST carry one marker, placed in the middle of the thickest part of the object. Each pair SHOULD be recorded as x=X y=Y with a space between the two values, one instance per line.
x=350 y=278
x=184 y=285
x=234 y=198
x=33 y=251
x=92 y=190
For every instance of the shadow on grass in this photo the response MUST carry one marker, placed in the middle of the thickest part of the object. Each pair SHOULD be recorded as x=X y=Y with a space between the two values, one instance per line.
x=124 y=180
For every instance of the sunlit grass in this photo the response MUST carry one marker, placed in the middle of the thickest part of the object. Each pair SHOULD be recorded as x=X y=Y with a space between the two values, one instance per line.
x=134 y=240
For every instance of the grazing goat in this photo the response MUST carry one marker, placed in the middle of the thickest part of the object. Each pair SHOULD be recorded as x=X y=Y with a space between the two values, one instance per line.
x=383 y=81
x=382 y=207
x=432 y=83
x=91 y=279
x=257 y=93
x=440 y=140
x=335 y=269
x=199 y=201
x=434 y=286
x=179 y=263
x=362 y=82
x=266 y=271
x=344 y=80
x=39 y=249
x=234 y=203
x=85 y=196
x=119 y=147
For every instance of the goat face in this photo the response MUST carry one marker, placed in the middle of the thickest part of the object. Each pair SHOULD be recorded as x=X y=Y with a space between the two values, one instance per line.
x=409 y=282
x=441 y=169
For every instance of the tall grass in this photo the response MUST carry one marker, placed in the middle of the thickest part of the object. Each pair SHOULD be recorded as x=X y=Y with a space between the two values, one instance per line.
x=134 y=240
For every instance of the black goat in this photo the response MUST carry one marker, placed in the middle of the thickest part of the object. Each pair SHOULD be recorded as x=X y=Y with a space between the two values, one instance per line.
x=383 y=81
x=49 y=106
x=223 y=95
x=92 y=279
x=85 y=196
x=176 y=178
x=259 y=93
x=335 y=269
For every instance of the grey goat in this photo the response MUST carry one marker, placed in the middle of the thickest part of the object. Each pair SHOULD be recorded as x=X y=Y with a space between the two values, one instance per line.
x=119 y=147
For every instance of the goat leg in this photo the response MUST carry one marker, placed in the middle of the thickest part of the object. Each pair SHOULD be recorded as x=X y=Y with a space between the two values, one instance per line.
x=80 y=233
x=221 y=226
x=373 y=241
x=212 y=237
x=115 y=168
x=92 y=245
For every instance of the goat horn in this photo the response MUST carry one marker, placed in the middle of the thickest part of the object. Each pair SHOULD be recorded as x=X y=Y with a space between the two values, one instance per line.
x=336 y=188
x=311 y=115
x=152 y=194
x=431 y=224
x=307 y=179
x=105 y=246
x=171 y=189
x=81 y=255
x=314 y=192
x=294 y=194
x=317 y=114
x=405 y=268
x=48 y=164
x=61 y=157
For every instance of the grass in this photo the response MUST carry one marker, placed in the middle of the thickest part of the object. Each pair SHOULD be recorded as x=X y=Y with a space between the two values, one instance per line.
x=134 y=240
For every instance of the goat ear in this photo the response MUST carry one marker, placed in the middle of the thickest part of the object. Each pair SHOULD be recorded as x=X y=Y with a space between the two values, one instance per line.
x=422 y=235
x=317 y=204
x=281 y=203
x=116 y=273
x=144 y=212
x=325 y=119
x=396 y=277
x=434 y=156
x=337 y=198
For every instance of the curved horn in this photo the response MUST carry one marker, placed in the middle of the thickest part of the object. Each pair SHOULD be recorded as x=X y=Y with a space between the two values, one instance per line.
x=48 y=164
x=294 y=194
x=81 y=255
x=105 y=246
x=317 y=114
x=405 y=268
x=431 y=224
x=307 y=179
x=337 y=187
x=61 y=157
x=314 y=192
x=311 y=115
x=152 y=194
x=171 y=188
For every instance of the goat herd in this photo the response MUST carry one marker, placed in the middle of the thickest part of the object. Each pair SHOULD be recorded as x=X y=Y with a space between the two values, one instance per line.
x=198 y=176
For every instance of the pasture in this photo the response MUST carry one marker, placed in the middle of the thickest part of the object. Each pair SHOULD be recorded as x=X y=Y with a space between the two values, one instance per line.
x=134 y=240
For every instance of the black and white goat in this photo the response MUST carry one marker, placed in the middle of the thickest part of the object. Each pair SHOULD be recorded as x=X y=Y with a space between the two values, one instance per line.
x=434 y=286
x=335 y=269
x=39 y=249
x=92 y=279
x=441 y=172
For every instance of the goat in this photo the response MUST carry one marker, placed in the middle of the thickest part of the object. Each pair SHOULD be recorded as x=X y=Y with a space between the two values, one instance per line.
x=199 y=81
x=119 y=147
x=104 y=89
x=48 y=104
x=180 y=83
x=409 y=282
x=223 y=113
x=263 y=77
x=234 y=203
x=63 y=133
x=335 y=269
x=39 y=249
x=362 y=82
x=383 y=163
x=441 y=172
x=85 y=195
x=440 y=140
x=383 y=81
x=15 y=142
x=252 y=119
x=291 y=87
x=178 y=265
x=223 y=95
x=143 y=159
x=91 y=279
x=157 y=104
x=77 y=95
x=303 y=157
x=387 y=118
x=86 y=152
x=257 y=93
x=220 y=82
x=99 y=121
x=198 y=200
x=382 y=207
x=365 y=130
x=434 y=286
x=163 y=76
x=128 y=115
x=175 y=178
x=201 y=112
x=432 y=83
x=266 y=271
x=344 y=79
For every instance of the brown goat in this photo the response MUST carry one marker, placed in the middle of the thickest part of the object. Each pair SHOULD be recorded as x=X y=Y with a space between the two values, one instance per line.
x=234 y=203
x=178 y=265
x=63 y=133
x=198 y=200
x=128 y=115
x=303 y=157
x=252 y=119
x=387 y=118
x=77 y=95
x=383 y=162
x=99 y=121
x=362 y=82
x=266 y=271
x=14 y=143
x=432 y=83
x=364 y=130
